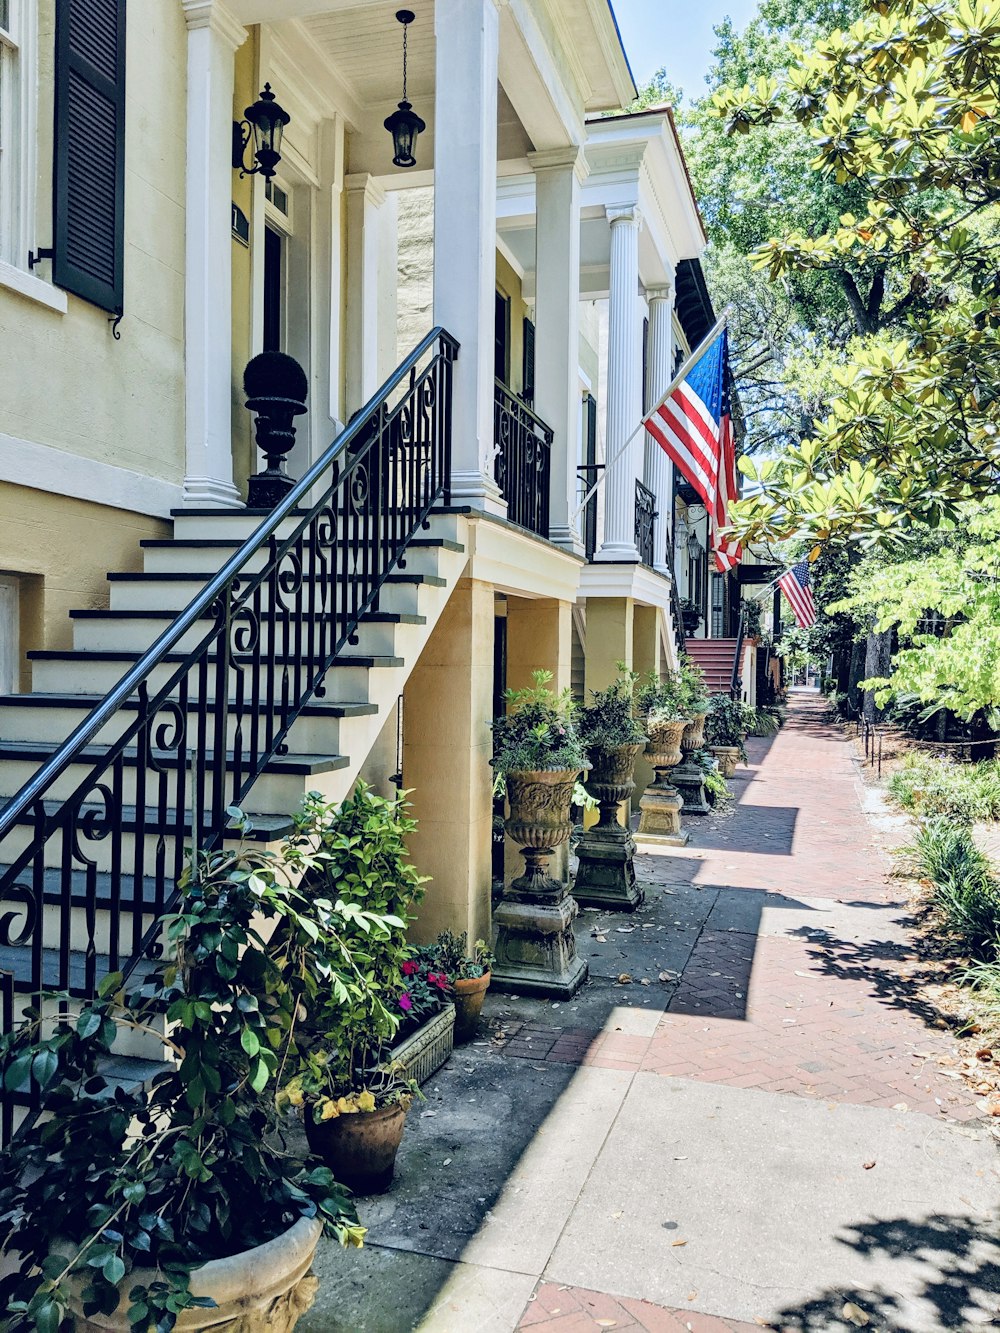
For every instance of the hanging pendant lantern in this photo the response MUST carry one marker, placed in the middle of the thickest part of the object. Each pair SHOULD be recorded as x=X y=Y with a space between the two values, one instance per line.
x=404 y=124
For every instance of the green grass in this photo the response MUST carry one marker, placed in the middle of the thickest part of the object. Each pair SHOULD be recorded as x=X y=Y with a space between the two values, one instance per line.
x=930 y=786
x=965 y=893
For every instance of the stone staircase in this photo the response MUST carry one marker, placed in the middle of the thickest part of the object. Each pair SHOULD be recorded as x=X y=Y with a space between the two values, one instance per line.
x=77 y=941
x=716 y=657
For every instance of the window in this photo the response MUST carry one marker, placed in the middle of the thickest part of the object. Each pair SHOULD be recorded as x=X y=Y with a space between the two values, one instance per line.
x=274 y=279
x=501 y=338
x=17 y=129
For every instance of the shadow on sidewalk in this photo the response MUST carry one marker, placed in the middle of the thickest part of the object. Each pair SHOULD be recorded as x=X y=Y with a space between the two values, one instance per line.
x=960 y=1278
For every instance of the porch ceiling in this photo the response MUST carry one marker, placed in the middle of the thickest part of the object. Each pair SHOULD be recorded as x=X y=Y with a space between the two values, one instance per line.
x=365 y=45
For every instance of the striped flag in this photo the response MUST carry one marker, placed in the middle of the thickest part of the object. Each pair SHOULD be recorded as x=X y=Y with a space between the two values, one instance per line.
x=794 y=583
x=694 y=427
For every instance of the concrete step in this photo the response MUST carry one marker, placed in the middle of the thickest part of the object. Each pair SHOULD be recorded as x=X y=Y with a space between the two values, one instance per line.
x=136 y=631
x=401 y=592
x=281 y=786
x=239 y=524
x=208 y=555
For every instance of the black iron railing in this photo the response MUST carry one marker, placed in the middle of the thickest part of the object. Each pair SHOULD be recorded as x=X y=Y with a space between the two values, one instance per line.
x=588 y=474
x=736 y=682
x=645 y=522
x=188 y=730
x=523 y=460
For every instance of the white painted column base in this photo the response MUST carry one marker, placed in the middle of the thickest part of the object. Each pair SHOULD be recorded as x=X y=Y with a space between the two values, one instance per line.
x=210 y=493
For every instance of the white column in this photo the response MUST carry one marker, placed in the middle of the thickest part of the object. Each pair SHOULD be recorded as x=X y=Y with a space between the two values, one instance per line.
x=559 y=174
x=212 y=39
x=465 y=197
x=659 y=475
x=366 y=200
x=624 y=388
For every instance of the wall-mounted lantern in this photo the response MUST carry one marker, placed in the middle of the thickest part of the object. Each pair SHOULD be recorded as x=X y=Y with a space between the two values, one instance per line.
x=404 y=124
x=265 y=123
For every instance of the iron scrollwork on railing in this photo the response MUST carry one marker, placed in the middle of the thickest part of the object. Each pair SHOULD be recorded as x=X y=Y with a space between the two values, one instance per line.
x=645 y=522
x=523 y=460
x=86 y=866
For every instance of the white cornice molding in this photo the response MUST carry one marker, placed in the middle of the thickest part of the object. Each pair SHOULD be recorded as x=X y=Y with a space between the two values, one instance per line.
x=43 y=467
x=211 y=14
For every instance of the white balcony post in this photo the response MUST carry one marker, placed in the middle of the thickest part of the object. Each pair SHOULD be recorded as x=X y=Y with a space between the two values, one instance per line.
x=624 y=388
x=559 y=174
x=465 y=198
x=213 y=36
x=659 y=476
x=366 y=201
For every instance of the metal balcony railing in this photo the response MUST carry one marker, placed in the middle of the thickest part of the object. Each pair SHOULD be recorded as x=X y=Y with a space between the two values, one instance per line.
x=645 y=522
x=523 y=465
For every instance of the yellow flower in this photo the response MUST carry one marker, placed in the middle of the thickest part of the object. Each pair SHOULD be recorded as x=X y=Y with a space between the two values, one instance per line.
x=328 y=1109
x=295 y=1096
x=346 y=1105
x=353 y=1237
x=366 y=1102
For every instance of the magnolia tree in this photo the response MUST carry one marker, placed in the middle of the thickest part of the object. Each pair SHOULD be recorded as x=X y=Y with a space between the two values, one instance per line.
x=901 y=106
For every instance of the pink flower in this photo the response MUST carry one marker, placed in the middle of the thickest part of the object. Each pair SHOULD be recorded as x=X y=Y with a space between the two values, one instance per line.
x=438 y=979
x=404 y=1001
x=409 y=968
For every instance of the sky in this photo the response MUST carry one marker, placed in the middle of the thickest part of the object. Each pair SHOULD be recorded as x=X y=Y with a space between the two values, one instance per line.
x=677 y=34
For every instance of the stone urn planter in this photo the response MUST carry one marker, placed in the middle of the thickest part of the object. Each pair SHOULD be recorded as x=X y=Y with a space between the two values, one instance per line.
x=267 y=1287
x=360 y=1149
x=661 y=804
x=606 y=873
x=688 y=777
x=535 y=947
x=727 y=757
x=468 y=994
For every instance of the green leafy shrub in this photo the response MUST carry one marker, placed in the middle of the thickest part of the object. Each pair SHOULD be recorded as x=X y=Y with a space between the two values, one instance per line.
x=451 y=953
x=539 y=730
x=660 y=699
x=609 y=721
x=930 y=785
x=183 y=1170
x=693 y=692
x=716 y=786
x=726 y=723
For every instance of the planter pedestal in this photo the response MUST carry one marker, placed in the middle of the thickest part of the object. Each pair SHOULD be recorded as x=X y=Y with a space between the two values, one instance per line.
x=534 y=946
x=661 y=803
x=689 y=778
x=606 y=873
x=727 y=757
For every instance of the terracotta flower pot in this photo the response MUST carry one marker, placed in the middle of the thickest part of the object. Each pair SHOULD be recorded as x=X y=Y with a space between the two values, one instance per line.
x=468 y=995
x=268 y=1287
x=360 y=1148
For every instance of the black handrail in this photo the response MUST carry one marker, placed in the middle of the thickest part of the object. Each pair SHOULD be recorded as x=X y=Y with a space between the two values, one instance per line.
x=736 y=682
x=645 y=522
x=223 y=706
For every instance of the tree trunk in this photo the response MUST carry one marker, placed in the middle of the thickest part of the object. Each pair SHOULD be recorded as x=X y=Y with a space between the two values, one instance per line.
x=878 y=659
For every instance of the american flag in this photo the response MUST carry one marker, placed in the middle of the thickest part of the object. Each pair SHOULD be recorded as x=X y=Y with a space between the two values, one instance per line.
x=794 y=583
x=694 y=426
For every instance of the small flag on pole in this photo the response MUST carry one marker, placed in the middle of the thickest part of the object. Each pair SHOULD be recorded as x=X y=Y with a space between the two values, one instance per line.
x=794 y=583
x=693 y=425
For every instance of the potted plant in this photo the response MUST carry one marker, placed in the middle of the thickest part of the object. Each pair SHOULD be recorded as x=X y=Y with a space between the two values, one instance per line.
x=725 y=732
x=659 y=701
x=689 y=777
x=537 y=757
x=752 y=615
x=470 y=976
x=168 y=1203
x=690 y=616
x=354 y=1103
x=613 y=739
x=427 y=1006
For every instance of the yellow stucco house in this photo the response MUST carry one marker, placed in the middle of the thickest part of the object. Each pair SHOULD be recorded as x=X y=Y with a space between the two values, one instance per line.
x=479 y=332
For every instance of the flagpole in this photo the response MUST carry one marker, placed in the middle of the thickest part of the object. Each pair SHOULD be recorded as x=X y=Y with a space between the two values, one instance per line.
x=688 y=365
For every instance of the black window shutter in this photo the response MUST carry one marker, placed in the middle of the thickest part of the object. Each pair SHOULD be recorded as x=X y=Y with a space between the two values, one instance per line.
x=89 y=190
x=528 y=362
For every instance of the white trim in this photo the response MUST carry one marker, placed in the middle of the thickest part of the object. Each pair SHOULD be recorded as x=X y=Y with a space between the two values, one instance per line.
x=35 y=289
x=42 y=467
x=19 y=115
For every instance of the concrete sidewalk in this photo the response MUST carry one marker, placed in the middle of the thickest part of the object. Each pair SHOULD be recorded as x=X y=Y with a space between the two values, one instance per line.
x=753 y=1132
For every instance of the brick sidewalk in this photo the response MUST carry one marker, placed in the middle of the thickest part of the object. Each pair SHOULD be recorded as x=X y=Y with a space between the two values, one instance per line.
x=815 y=1012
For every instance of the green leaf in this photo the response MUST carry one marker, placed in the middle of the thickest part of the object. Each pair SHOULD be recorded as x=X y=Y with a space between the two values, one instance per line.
x=249 y=1041
x=113 y=1269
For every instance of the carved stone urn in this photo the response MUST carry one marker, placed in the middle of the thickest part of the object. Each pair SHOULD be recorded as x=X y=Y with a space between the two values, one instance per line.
x=535 y=947
x=727 y=757
x=689 y=778
x=661 y=803
x=606 y=873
